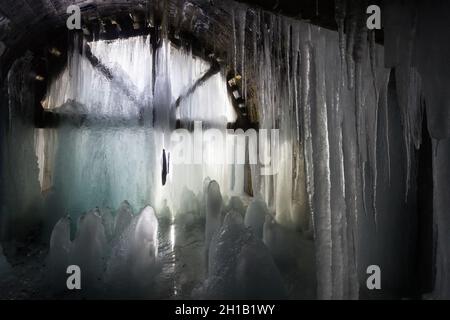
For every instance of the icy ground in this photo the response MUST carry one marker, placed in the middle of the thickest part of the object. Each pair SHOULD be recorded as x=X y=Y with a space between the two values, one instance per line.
x=180 y=267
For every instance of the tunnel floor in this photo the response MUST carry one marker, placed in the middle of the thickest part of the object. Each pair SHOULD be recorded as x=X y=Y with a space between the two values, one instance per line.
x=182 y=271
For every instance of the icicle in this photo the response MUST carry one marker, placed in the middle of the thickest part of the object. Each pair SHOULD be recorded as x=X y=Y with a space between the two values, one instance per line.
x=350 y=42
x=409 y=96
x=295 y=56
x=242 y=26
x=322 y=174
x=386 y=121
x=306 y=106
x=287 y=48
x=373 y=60
x=256 y=24
x=233 y=25
x=340 y=14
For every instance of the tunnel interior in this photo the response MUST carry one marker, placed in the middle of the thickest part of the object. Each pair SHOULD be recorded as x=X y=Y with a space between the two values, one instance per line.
x=189 y=149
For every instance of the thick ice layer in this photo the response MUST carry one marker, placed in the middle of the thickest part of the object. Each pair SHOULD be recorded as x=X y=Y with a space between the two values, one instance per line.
x=103 y=166
x=240 y=266
x=113 y=97
x=125 y=95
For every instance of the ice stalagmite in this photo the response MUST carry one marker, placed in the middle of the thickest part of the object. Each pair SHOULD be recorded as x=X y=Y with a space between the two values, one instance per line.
x=188 y=208
x=236 y=204
x=89 y=248
x=188 y=203
x=256 y=216
x=204 y=195
x=108 y=222
x=144 y=245
x=214 y=205
x=240 y=266
x=124 y=215
x=133 y=264
x=60 y=250
x=291 y=251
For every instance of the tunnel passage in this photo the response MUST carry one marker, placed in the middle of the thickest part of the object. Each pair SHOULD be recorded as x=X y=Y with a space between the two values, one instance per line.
x=87 y=153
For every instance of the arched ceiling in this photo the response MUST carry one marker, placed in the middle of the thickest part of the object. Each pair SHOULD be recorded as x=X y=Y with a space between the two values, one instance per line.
x=27 y=23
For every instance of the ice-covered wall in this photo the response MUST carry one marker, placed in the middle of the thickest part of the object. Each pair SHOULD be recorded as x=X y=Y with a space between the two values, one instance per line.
x=115 y=155
x=21 y=197
x=416 y=44
x=326 y=107
x=326 y=91
x=124 y=96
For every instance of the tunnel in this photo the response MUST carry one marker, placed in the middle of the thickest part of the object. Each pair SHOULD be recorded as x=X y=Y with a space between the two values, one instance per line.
x=224 y=150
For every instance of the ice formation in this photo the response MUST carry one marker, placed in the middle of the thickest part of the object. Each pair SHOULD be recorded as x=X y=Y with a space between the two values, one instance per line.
x=91 y=91
x=133 y=263
x=125 y=260
x=108 y=222
x=117 y=106
x=214 y=206
x=329 y=93
x=89 y=248
x=59 y=251
x=255 y=216
x=236 y=204
x=124 y=216
x=240 y=266
x=416 y=47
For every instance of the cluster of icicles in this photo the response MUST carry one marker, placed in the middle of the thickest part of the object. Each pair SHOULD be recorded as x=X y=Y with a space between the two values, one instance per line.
x=324 y=92
x=328 y=94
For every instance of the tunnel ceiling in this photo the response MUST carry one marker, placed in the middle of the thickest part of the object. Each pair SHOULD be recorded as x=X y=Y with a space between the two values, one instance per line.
x=27 y=23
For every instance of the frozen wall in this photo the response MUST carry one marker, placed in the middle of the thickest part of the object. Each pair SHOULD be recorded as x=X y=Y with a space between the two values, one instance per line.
x=416 y=44
x=117 y=153
x=326 y=109
x=345 y=169
x=21 y=210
